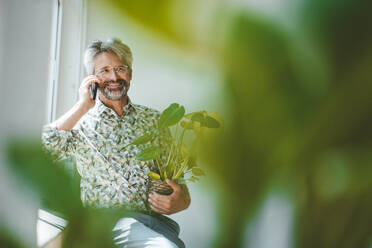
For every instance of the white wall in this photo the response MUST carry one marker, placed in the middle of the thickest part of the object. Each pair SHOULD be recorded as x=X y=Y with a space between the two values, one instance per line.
x=24 y=79
x=24 y=60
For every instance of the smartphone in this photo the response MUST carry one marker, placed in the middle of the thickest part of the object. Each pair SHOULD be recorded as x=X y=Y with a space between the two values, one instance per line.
x=93 y=90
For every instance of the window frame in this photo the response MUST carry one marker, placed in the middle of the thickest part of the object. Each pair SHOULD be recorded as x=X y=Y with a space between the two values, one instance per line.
x=66 y=56
x=54 y=61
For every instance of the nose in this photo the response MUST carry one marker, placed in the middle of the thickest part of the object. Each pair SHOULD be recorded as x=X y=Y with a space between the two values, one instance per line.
x=113 y=75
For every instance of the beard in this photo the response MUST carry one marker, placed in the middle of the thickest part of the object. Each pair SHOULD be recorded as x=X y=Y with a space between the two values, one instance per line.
x=115 y=93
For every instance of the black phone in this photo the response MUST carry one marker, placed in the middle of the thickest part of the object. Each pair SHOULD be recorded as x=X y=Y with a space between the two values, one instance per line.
x=93 y=90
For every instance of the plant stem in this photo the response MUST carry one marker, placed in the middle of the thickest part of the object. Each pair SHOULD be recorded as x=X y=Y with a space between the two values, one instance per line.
x=125 y=147
x=180 y=142
x=159 y=167
x=169 y=156
x=174 y=140
x=178 y=174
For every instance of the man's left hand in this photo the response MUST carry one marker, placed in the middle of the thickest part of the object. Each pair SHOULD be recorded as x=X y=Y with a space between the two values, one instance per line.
x=170 y=204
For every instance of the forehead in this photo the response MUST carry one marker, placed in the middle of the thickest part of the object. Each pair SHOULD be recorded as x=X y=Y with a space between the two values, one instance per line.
x=106 y=59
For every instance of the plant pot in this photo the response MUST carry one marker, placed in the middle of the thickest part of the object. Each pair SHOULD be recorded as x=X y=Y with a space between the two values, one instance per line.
x=159 y=187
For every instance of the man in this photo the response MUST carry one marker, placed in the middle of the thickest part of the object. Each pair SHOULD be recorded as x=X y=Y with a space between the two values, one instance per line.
x=96 y=132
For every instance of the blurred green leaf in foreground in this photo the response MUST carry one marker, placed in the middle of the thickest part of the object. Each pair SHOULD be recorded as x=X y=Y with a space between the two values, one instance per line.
x=39 y=172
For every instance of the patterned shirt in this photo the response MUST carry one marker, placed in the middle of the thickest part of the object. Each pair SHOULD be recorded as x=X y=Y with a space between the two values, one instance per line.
x=110 y=174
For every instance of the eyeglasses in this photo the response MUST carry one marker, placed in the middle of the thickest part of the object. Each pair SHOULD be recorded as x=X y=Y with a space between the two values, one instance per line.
x=121 y=70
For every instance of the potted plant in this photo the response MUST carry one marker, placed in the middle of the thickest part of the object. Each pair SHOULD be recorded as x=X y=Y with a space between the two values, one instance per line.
x=180 y=159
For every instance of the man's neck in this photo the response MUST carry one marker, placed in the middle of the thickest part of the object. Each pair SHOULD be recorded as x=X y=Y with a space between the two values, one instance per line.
x=117 y=106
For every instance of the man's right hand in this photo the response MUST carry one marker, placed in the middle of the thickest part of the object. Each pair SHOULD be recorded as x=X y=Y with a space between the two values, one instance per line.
x=69 y=119
x=85 y=99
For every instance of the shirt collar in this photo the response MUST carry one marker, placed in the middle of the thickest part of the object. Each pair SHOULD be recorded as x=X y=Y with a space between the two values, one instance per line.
x=101 y=108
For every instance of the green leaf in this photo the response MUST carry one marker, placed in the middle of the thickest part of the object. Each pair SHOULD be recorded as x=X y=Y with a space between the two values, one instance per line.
x=189 y=115
x=38 y=171
x=187 y=124
x=148 y=154
x=192 y=162
x=154 y=175
x=210 y=122
x=143 y=139
x=171 y=115
x=197 y=171
x=198 y=117
x=193 y=179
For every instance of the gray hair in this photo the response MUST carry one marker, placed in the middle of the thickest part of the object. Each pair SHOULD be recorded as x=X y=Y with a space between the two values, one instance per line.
x=111 y=45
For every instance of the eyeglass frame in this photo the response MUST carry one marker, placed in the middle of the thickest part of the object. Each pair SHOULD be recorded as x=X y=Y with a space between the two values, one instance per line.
x=115 y=69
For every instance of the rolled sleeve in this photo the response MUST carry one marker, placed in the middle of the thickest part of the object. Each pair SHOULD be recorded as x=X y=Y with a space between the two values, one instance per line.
x=60 y=143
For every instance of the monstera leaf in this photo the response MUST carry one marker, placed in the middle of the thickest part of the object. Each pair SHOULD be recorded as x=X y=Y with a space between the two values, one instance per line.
x=198 y=172
x=204 y=119
x=171 y=115
x=187 y=125
x=148 y=154
x=143 y=139
x=210 y=122
x=199 y=117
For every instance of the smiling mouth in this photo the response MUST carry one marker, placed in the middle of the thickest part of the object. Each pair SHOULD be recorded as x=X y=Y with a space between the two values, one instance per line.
x=114 y=86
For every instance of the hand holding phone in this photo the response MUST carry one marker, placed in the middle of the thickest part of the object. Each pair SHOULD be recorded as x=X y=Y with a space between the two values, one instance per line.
x=93 y=90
